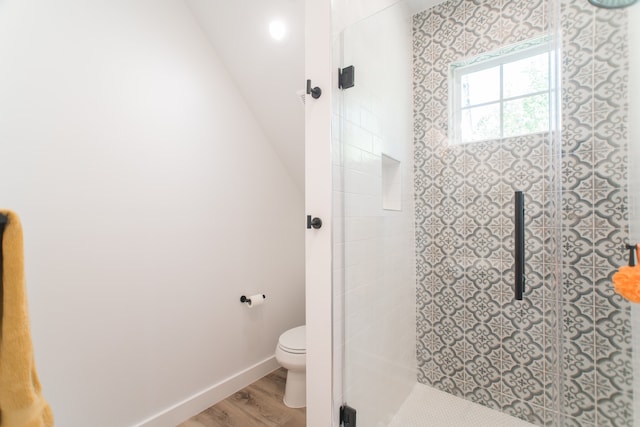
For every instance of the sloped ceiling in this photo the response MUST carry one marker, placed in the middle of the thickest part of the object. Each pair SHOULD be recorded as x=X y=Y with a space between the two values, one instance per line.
x=267 y=72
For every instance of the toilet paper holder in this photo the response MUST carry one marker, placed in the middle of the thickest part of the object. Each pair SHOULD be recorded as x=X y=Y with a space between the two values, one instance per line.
x=245 y=300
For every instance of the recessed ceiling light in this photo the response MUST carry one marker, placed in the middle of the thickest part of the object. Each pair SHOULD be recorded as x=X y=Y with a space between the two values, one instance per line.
x=277 y=30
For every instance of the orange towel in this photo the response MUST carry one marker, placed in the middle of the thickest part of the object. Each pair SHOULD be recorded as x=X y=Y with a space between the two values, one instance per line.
x=21 y=401
x=627 y=282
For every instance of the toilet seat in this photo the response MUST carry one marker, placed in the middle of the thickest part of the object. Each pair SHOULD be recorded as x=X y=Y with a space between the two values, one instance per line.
x=294 y=341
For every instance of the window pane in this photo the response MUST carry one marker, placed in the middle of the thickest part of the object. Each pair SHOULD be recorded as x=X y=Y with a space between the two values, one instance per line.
x=480 y=123
x=480 y=87
x=527 y=75
x=526 y=115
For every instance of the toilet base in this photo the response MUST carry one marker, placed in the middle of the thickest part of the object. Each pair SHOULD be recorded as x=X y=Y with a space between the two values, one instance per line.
x=295 y=391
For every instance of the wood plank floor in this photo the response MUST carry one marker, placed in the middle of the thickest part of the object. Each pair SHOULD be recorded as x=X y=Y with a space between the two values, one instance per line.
x=257 y=405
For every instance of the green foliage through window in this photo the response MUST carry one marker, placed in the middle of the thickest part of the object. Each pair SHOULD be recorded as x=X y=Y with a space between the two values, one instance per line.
x=503 y=95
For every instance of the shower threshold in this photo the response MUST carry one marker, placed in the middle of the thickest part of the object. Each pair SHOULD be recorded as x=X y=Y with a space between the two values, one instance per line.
x=427 y=406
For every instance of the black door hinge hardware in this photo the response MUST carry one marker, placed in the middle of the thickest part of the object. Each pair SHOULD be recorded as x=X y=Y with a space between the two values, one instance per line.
x=346 y=77
x=314 y=92
x=313 y=222
x=347 y=416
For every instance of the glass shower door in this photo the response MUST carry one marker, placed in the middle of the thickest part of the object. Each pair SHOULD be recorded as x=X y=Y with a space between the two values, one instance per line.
x=424 y=248
x=599 y=110
x=424 y=259
x=475 y=340
x=374 y=249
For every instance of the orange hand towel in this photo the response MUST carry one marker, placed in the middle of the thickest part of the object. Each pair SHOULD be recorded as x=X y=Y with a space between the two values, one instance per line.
x=627 y=282
x=21 y=401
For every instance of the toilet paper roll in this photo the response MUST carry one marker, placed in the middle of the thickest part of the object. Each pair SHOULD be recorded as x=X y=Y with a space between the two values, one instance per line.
x=257 y=299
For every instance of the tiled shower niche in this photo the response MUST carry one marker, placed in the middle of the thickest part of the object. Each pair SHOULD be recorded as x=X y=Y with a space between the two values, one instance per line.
x=564 y=353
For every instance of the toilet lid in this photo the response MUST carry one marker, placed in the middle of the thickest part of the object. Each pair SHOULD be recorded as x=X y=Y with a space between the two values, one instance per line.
x=294 y=340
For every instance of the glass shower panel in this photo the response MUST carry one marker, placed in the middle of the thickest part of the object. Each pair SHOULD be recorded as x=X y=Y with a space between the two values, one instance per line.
x=426 y=292
x=597 y=374
x=634 y=185
x=374 y=273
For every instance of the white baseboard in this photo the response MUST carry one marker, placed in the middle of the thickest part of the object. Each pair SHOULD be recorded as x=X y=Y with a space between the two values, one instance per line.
x=197 y=403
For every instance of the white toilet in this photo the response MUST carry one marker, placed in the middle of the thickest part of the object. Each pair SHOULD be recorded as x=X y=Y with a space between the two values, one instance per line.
x=291 y=354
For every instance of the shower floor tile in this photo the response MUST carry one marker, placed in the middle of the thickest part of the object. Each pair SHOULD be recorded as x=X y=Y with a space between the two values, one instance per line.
x=427 y=406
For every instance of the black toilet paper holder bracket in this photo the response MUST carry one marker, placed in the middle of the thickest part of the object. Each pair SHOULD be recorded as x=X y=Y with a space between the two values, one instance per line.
x=245 y=300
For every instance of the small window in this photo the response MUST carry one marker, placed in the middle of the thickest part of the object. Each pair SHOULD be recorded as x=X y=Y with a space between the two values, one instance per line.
x=501 y=94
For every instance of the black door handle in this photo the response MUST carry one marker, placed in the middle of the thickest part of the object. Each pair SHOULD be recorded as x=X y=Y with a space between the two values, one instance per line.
x=519 y=249
x=313 y=222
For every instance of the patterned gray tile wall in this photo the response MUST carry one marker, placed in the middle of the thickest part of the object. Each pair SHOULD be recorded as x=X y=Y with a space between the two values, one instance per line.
x=474 y=340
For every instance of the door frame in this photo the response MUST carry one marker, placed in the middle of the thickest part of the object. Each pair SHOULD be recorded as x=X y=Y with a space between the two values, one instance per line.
x=318 y=187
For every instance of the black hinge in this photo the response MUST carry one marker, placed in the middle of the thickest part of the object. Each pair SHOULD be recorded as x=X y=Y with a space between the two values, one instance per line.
x=346 y=77
x=347 y=416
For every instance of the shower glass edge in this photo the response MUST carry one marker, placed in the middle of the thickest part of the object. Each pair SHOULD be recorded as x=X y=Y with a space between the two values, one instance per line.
x=634 y=184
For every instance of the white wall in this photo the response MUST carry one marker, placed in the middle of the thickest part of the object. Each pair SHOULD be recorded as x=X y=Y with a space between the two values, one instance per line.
x=348 y=12
x=374 y=249
x=150 y=201
x=281 y=65
x=318 y=68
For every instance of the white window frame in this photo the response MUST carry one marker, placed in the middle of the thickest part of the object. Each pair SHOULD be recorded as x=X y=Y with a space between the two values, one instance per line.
x=498 y=58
